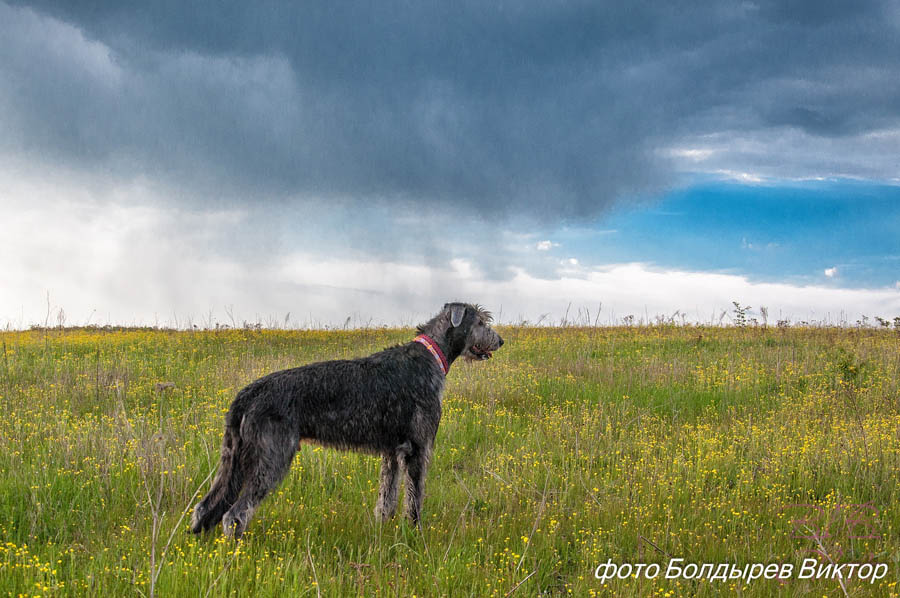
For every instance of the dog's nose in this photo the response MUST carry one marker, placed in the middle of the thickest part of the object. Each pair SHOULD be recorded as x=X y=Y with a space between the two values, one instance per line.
x=501 y=340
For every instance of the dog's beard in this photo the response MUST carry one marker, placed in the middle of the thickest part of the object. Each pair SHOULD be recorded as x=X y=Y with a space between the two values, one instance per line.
x=476 y=353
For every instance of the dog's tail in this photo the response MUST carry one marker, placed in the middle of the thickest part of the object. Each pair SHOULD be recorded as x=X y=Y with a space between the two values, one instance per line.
x=229 y=478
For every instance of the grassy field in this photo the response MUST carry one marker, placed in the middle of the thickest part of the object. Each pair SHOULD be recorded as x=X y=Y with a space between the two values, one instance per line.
x=572 y=446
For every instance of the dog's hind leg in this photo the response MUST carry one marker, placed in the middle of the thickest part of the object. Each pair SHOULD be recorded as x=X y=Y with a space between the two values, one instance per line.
x=224 y=489
x=267 y=449
x=388 y=493
x=212 y=514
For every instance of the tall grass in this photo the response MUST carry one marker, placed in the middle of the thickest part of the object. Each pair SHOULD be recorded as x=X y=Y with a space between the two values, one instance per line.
x=572 y=446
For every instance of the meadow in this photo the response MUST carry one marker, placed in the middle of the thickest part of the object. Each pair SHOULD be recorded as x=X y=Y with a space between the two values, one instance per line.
x=572 y=447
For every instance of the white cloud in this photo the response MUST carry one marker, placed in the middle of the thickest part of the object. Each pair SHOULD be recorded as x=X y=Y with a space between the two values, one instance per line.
x=392 y=291
x=791 y=154
x=134 y=265
x=742 y=177
x=115 y=262
x=691 y=154
x=30 y=34
x=831 y=272
x=545 y=245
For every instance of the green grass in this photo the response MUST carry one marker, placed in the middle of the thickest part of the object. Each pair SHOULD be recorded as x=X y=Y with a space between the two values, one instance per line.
x=572 y=446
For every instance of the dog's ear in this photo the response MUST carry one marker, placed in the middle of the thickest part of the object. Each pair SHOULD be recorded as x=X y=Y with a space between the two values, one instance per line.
x=457 y=311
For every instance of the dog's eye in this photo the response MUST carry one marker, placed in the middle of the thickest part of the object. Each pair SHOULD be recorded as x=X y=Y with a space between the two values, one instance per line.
x=480 y=323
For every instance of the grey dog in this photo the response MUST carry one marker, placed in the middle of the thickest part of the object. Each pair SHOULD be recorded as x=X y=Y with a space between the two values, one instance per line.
x=387 y=404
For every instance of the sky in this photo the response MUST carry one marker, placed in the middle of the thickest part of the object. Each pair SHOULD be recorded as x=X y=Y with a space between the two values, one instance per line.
x=358 y=163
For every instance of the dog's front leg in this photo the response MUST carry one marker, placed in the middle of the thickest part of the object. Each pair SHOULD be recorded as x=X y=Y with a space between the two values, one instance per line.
x=416 y=468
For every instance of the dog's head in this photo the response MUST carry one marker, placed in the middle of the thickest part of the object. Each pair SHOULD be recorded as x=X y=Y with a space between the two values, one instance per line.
x=469 y=333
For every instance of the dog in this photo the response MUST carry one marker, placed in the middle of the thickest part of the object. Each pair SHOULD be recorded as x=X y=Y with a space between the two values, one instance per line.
x=388 y=404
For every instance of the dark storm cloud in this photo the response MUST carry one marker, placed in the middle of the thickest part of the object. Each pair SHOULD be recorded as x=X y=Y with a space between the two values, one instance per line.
x=541 y=109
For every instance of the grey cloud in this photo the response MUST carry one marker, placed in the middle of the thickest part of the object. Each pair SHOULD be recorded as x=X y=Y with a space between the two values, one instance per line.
x=542 y=110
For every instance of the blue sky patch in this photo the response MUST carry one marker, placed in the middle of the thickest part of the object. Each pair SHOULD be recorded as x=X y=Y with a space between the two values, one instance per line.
x=788 y=233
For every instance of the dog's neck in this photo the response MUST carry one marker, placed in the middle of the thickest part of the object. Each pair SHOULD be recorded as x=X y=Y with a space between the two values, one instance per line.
x=438 y=329
x=435 y=350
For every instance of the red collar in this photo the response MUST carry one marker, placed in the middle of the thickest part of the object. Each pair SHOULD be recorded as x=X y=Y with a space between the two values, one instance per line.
x=434 y=350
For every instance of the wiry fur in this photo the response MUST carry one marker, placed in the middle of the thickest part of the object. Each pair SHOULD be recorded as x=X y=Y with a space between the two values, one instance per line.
x=388 y=403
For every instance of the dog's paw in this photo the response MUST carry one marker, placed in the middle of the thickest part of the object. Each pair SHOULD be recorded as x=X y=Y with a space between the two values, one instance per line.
x=383 y=515
x=197 y=519
x=233 y=526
